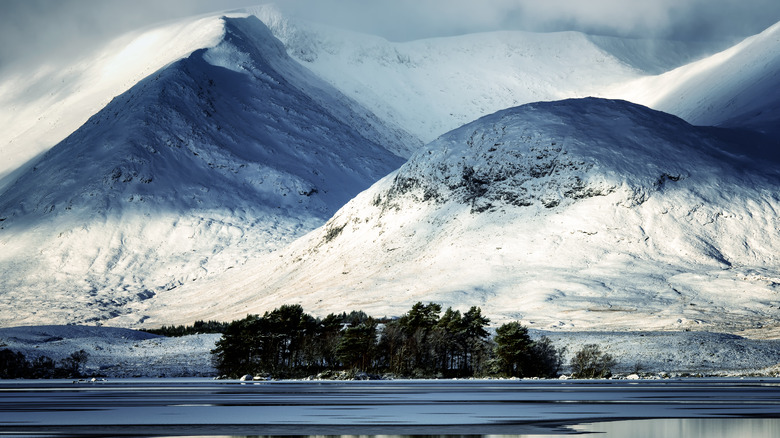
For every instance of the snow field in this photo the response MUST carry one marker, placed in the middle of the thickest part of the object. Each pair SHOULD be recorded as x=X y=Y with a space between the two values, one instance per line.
x=115 y=352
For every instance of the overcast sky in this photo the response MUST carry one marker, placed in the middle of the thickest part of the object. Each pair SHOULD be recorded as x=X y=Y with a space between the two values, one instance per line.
x=31 y=30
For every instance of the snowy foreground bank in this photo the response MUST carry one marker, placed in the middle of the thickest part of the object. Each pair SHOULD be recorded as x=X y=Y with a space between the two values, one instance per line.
x=117 y=352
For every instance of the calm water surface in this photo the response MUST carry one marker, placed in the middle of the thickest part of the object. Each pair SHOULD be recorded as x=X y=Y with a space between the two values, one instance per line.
x=710 y=408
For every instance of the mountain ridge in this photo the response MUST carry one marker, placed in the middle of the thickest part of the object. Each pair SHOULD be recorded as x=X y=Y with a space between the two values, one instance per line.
x=394 y=79
x=737 y=87
x=40 y=108
x=434 y=85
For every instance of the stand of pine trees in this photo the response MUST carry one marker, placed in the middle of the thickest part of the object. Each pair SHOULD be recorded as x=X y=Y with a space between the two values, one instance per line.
x=198 y=327
x=14 y=365
x=288 y=343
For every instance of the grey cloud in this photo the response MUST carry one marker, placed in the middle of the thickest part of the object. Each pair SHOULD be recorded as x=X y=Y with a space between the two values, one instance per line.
x=32 y=30
x=674 y=19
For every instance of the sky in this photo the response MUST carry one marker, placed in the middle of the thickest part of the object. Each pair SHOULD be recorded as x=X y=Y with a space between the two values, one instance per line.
x=32 y=30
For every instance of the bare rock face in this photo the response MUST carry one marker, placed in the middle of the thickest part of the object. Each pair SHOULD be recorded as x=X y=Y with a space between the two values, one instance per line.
x=553 y=154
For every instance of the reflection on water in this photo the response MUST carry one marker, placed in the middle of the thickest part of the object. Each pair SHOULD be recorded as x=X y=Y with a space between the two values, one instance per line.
x=688 y=427
x=663 y=427
x=714 y=408
x=386 y=436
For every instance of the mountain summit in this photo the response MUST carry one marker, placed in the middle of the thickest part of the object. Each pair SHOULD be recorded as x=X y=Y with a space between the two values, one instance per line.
x=233 y=150
x=588 y=213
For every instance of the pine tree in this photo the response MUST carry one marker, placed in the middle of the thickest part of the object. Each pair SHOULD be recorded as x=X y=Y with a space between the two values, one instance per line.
x=357 y=347
x=513 y=349
x=590 y=363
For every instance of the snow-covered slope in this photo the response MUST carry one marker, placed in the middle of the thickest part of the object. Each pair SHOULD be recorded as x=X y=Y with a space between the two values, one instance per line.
x=431 y=86
x=434 y=85
x=579 y=214
x=116 y=352
x=39 y=108
x=224 y=143
x=739 y=87
x=231 y=151
x=653 y=56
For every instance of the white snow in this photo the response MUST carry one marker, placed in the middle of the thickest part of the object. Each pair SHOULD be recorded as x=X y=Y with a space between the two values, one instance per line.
x=432 y=86
x=675 y=353
x=116 y=352
x=738 y=87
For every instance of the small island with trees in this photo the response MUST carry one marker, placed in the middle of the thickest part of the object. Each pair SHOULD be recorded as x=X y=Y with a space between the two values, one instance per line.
x=422 y=343
x=287 y=343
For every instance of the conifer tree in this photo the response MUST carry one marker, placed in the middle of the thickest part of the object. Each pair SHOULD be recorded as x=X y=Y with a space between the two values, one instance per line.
x=513 y=349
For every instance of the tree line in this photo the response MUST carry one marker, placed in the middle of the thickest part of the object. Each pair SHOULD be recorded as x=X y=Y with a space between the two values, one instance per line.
x=198 y=327
x=15 y=365
x=423 y=343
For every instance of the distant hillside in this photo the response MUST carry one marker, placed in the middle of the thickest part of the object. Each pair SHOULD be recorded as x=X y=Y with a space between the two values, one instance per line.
x=739 y=87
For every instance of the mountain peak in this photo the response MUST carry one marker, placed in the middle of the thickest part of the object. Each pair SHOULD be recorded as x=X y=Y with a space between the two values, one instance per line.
x=553 y=153
x=232 y=150
x=246 y=41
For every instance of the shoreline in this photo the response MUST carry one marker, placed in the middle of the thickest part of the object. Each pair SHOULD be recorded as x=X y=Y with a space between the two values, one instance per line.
x=117 y=352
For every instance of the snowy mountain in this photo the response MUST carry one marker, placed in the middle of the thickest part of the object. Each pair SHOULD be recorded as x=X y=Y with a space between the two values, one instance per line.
x=432 y=86
x=578 y=214
x=39 y=108
x=739 y=87
x=231 y=151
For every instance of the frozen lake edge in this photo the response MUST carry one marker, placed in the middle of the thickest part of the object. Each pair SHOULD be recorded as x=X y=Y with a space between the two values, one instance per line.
x=197 y=406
